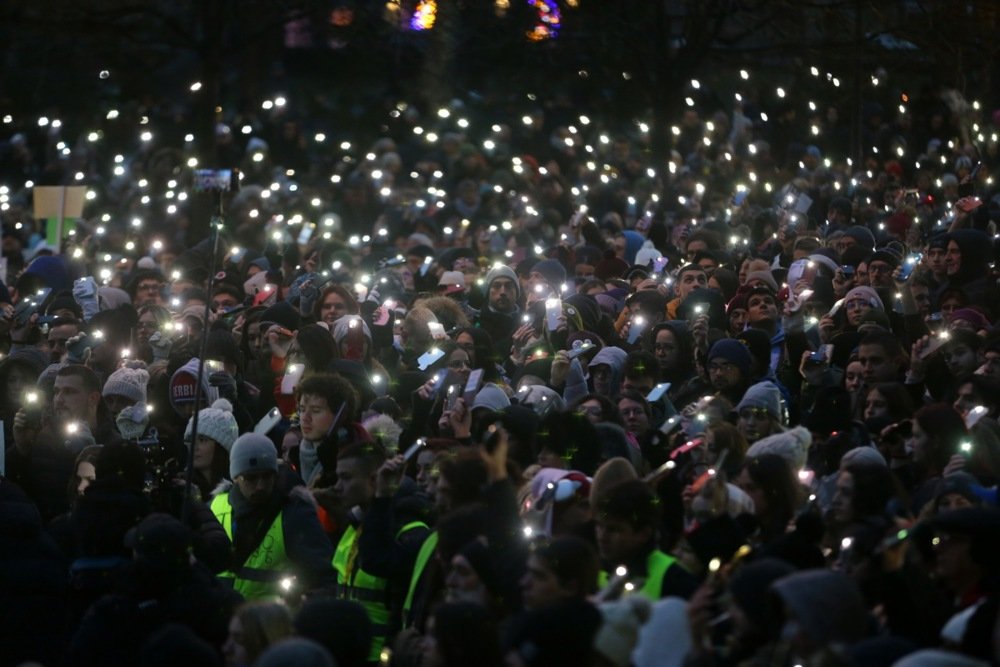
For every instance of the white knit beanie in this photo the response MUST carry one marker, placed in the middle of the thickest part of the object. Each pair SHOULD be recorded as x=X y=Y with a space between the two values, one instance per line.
x=216 y=422
x=129 y=381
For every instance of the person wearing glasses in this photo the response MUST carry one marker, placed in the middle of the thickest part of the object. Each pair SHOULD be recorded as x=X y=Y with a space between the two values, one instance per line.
x=759 y=413
x=146 y=287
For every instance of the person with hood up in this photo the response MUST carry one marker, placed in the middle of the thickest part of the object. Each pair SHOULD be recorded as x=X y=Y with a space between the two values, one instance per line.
x=501 y=315
x=606 y=370
x=967 y=263
x=674 y=348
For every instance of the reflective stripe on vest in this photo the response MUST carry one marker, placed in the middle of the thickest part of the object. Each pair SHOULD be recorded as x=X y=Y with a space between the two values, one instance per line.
x=260 y=575
x=657 y=564
x=353 y=583
x=423 y=557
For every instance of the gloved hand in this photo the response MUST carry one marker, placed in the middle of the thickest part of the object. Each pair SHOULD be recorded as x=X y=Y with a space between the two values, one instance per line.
x=160 y=345
x=226 y=385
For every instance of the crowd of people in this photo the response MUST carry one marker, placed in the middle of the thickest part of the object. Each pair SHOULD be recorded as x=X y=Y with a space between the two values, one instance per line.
x=515 y=390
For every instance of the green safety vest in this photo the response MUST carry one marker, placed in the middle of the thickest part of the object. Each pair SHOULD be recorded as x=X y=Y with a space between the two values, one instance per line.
x=423 y=557
x=370 y=591
x=657 y=564
x=260 y=576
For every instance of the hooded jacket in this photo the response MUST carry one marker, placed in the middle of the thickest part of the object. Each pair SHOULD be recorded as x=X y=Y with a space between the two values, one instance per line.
x=615 y=358
x=973 y=276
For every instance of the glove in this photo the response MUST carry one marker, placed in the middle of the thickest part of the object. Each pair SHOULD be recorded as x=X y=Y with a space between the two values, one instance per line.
x=225 y=383
x=160 y=345
x=85 y=294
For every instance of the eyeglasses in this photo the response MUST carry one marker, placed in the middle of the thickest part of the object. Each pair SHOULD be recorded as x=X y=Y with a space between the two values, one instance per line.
x=593 y=410
x=759 y=414
x=721 y=367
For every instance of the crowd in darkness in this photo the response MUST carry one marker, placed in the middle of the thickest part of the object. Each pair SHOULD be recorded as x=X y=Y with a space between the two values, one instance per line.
x=508 y=384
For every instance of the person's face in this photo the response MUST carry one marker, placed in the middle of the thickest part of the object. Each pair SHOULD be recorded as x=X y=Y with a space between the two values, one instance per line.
x=991 y=365
x=953 y=558
x=620 y=246
x=148 y=291
x=949 y=306
x=256 y=486
x=85 y=473
x=875 y=364
x=57 y=340
x=690 y=281
x=547 y=458
x=952 y=259
x=921 y=295
x=459 y=365
x=754 y=423
x=354 y=486
x=880 y=274
x=723 y=374
x=503 y=293
x=224 y=301
x=592 y=410
x=642 y=384
x=71 y=401
x=842 y=498
x=876 y=406
x=618 y=541
x=233 y=650
x=738 y=320
x=665 y=349
x=856 y=309
x=425 y=470
x=842 y=284
x=255 y=341
x=333 y=308
x=18 y=380
x=636 y=421
x=861 y=275
x=761 y=308
x=463 y=584
x=116 y=403
x=966 y=399
x=315 y=417
x=749 y=487
x=960 y=359
x=918 y=443
x=540 y=587
x=466 y=342
x=145 y=328
x=936 y=260
x=601 y=375
x=952 y=501
x=854 y=377
x=204 y=452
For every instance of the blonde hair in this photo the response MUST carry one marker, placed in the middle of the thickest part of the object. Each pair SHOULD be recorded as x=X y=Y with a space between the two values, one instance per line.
x=264 y=623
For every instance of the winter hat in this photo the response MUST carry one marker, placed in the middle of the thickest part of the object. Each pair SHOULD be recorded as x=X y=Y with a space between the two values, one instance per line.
x=827 y=605
x=972 y=316
x=342 y=325
x=960 y=483
x=862 y=235
x=216 y=422
x=111 y=298
x=764 y=276
x=864 y=456
x=936 y=657
x=491 y=396
x=749 y=585
x=647 y=254
x=553 y=272
x=619 y=631
x=129 y=381
x=132 y=421
x=161 y=538
x=611 y=473
x=792 y=445
x=452 y=282
x=865 y=294
x=762 y=395
x=540 y=398
x=252 y=452
x=503 y=271
x=282 y=313
x=183 y=385
x=733 y=351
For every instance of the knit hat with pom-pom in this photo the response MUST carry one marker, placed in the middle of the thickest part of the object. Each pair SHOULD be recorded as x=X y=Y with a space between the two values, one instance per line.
x=216 y=422
x=129 y=381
